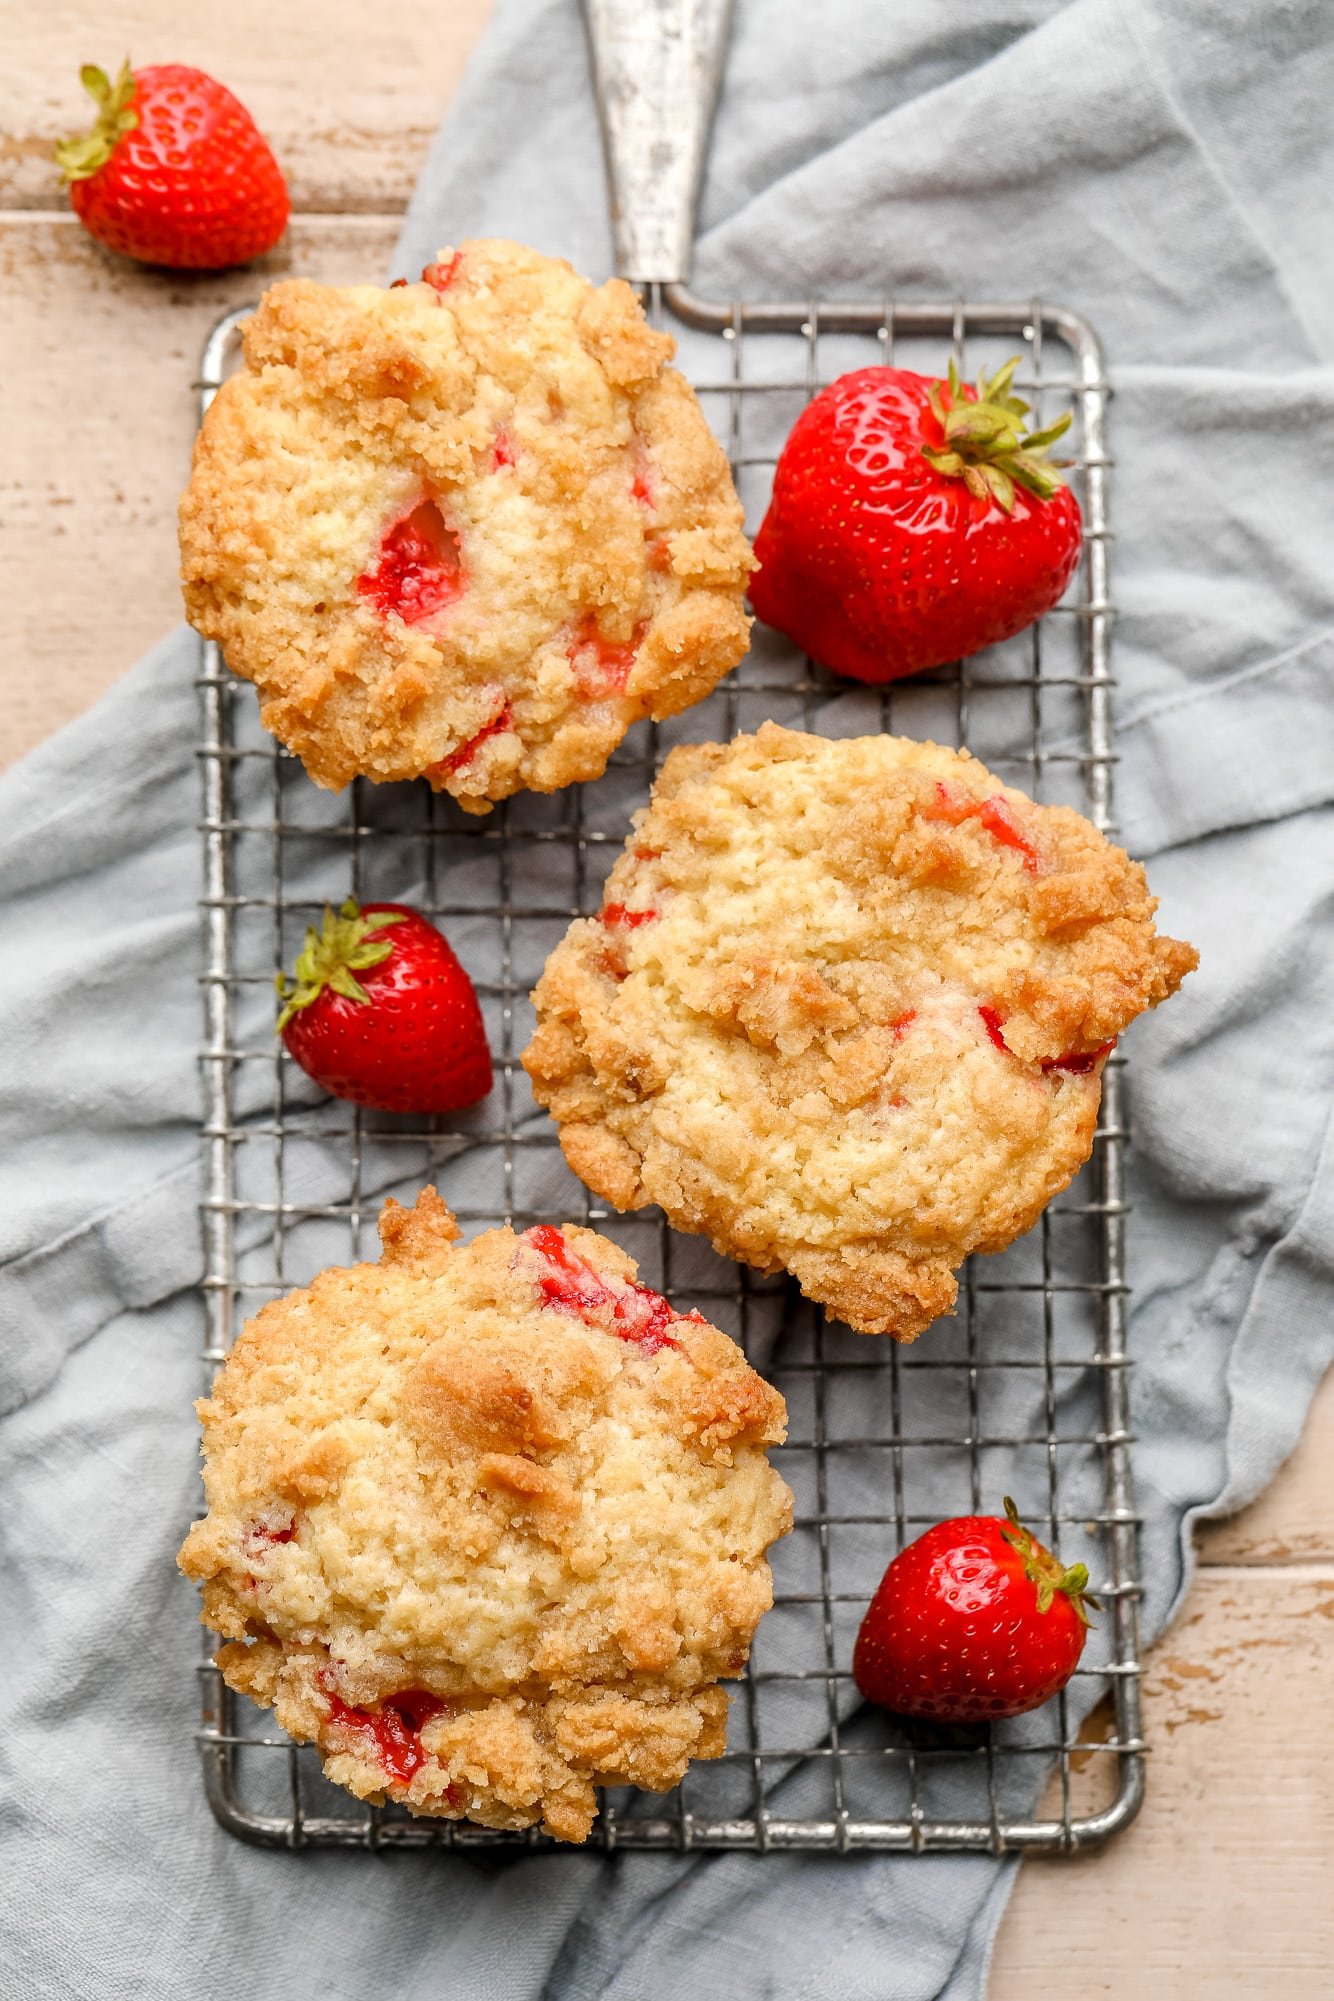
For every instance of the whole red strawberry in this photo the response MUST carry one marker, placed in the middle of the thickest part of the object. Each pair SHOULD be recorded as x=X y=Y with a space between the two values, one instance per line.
x=974 y=1620
x=175 y=171
x=912 y=522
x=381 y=1012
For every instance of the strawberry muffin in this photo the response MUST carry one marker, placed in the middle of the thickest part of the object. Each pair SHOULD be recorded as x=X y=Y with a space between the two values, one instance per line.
x=468 y=529
x=845 y=1011
x=488 y=1523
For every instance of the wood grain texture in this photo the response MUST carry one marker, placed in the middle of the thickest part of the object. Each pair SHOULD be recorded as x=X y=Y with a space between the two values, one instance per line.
x=1221 y=1888
x=347 y=93
x=97 y=413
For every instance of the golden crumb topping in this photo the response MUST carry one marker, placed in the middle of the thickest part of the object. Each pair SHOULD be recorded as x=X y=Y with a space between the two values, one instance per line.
x=487 y=1522
x=469 y=529
x=845 y=1011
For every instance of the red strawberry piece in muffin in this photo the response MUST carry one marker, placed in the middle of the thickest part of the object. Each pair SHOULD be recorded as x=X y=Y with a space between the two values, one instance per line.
x=845 y=1011
x=531 y=1507
x=468 y=529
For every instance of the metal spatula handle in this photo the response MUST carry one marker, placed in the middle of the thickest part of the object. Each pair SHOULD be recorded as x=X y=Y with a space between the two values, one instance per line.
x=657 y=65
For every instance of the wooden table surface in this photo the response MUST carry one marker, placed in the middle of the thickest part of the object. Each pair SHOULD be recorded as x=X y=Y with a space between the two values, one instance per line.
x=1222 y=1887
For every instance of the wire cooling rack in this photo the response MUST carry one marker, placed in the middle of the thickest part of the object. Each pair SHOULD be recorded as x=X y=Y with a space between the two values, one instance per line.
x=1023 y=1391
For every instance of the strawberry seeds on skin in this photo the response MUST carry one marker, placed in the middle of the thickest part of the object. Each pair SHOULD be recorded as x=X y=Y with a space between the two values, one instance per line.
x=380 y=1012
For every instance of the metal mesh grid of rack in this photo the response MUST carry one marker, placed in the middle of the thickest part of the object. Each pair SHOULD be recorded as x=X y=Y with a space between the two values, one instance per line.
x=1023 y=1391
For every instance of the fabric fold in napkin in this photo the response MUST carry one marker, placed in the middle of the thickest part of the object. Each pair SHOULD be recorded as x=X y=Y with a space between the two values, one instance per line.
x=1172 y=190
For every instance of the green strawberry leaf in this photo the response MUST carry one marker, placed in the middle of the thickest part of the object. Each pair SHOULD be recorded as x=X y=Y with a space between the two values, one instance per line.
x=343 y=982
x=985 y=444
x=343 y=946
x=1001 y=485
x=87 y=153
x=1038 y=441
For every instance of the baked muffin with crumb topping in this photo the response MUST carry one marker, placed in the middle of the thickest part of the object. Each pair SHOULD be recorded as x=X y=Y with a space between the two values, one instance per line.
x=487 y=1523
x=468 y=529
x=845 y=1010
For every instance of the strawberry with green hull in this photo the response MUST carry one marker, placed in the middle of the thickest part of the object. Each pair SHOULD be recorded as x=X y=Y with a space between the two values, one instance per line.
x=972 y=1622
x=913 y=522
x=380 y=1012
x=174 y=171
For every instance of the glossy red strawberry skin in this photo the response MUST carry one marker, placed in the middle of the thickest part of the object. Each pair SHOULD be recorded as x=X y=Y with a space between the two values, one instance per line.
x=954 y=1633
x=878 y=565
x=193 y=186
x=416 y=1044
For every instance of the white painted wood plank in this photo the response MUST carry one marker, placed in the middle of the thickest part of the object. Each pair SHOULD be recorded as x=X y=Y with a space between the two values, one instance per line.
x=97 y=414
x=1221 y=1888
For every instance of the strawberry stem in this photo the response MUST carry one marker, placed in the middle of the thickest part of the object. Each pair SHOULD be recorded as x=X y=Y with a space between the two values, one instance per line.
x=81 y=157
x=332 y=956
x=1047 y=1571
x=986 y=445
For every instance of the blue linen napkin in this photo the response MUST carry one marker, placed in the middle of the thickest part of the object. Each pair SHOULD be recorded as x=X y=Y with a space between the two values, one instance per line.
x=1159 y=167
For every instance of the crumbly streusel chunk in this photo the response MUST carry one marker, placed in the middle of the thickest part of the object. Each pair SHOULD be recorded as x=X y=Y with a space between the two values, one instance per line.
x=845 y=1012
x=488 y=1523
x=469 y=529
